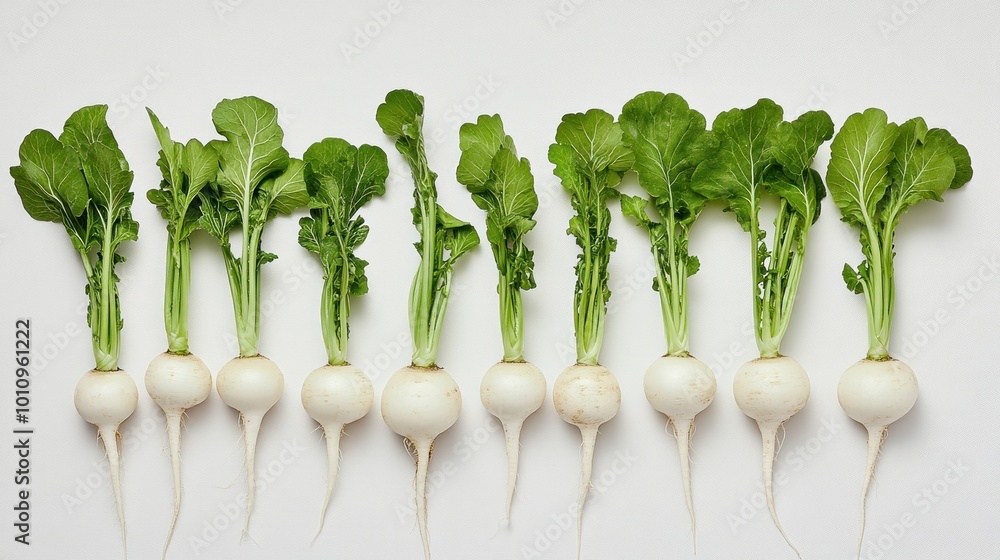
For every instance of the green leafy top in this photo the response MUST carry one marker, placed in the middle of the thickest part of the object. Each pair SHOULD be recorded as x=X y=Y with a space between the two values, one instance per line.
x=878 y=170
x=669 y=141
x=761 y=153
x=256 y=181
x=82 y=181
x=590 y=157
x=502 y=185
x=340 y=179
x=186 y=169
x=443 y=237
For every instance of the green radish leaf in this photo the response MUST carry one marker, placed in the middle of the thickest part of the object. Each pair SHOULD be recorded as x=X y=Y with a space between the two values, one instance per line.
x=287 y=191
x=339 y=179
x=401 y=117
x=920 y=170
x=669 y=141
x=252 y=151
x=734 y=175
x=83 y=181
x=480 y=142
x=793 y=146
x=49 y=180
x=89 y=126
x=858 y=174
x=590 y=157
x=635 y=207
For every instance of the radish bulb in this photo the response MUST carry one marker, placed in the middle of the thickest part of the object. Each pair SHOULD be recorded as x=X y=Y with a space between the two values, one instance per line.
x=501 y=184
x=255 y=182
x=82 y=181
x=669 y=140
x=106 y=399
x=586 y=395
x=335 y=396
x=680 y=387
x=250 y=385
x=589 y=158
x=771 y=390
x=421 y=401
x=760 y=153
x=338 y=393
x=512 y=391
x=877 y=171
x=178 y=380
x=876 y=393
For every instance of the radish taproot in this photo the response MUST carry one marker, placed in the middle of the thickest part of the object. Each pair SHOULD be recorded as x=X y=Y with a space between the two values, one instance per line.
x=422 y=400
x=256 y=181
x=669 y=140
x=590 y=158
x=760 y=153
x=82 y=181
x=877 y=171
x=502 y=185
x=340 y=179
x=177 y=380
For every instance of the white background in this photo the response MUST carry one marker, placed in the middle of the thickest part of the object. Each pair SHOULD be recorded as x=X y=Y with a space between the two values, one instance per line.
x=937 y=60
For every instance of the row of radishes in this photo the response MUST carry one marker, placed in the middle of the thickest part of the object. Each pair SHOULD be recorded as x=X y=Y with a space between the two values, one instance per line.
x=877 y=169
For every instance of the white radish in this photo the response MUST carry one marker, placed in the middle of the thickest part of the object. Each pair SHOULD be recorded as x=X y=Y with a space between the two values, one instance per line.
x=420 y=403
x=177 y=382
x=82 y=180
x=586 y=395
x=106 y=399
x=251 y=385
x=422 y=400
x=771 y=390
x=879 y=165
x=876 y=393
x=335 y=396
x=512 y=391
x=681 y=387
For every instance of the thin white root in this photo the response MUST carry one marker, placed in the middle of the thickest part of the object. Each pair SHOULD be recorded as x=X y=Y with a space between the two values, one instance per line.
x=512 y=434
x=332 y=433
x=174 y=442
x=251 y=428
x=875 y=436
x=109 y=437
x=589 y=435
x=769 y=431
x=682 y=432
x=423 y=449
